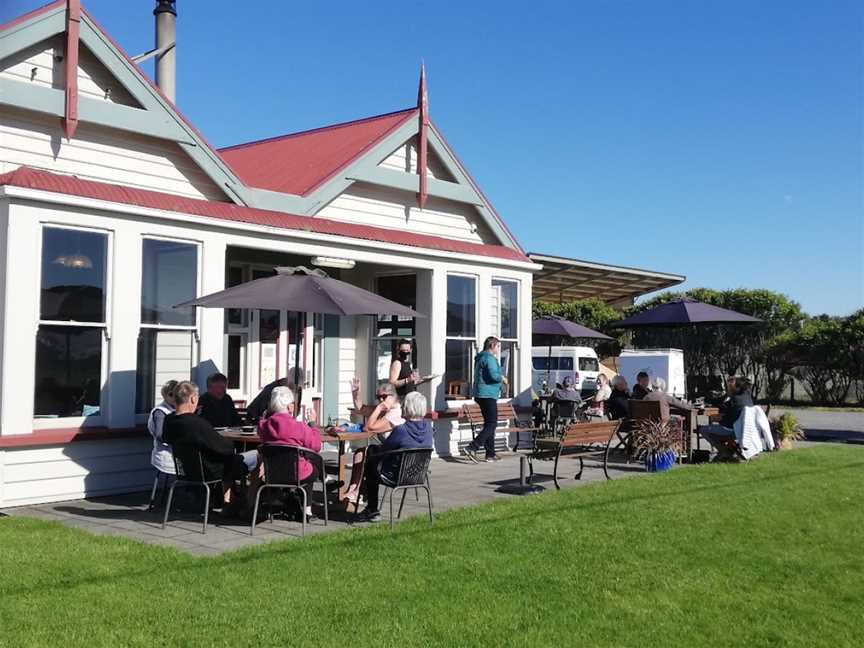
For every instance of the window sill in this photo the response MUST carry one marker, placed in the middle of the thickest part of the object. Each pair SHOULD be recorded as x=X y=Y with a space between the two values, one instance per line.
x=62 y=436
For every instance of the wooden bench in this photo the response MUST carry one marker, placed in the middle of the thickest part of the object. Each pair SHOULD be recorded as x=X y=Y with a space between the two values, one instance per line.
x=580 y=440
x=472 y=414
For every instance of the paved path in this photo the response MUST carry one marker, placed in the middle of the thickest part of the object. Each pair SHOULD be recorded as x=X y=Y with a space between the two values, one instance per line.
x=455 y=483
x=834 y=425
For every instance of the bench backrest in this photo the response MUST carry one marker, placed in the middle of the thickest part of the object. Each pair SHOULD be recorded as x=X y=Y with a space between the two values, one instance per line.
x=642 y=409
x=579 y=434
x=471 y=412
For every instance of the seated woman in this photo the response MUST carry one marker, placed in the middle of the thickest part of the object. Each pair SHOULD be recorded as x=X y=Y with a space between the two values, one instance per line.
x=618 y=405
x=162 y=459
x=385 y=392
x=280 y=426
x=565 y=400
x=597 y=409
x=738 y=398
x=658 y=393
x=415 y=432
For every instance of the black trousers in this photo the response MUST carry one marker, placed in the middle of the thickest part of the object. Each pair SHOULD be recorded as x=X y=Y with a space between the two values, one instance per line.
x=486 y=438
x=372 y=477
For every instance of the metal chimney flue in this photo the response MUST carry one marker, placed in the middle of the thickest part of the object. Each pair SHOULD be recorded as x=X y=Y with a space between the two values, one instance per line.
x=166 y=48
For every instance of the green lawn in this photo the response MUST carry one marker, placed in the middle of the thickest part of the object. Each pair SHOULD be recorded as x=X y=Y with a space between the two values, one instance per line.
x=765 y=554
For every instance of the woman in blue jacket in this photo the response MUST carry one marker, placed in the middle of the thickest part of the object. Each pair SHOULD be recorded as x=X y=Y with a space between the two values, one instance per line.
x=487 y=388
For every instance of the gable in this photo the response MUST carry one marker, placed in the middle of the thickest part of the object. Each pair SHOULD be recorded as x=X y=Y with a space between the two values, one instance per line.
x=42 y=64
x=115 y=101
x=405 y=158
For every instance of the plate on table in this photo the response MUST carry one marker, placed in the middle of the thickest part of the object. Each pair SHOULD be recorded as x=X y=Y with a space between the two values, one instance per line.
x=220 y=430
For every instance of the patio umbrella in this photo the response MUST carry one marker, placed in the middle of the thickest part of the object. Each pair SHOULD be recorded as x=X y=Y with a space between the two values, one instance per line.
x=303 y=290
x=554 y=327
x=684 y=312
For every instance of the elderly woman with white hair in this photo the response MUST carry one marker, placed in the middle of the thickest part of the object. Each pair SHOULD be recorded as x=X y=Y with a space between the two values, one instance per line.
x=415 y=432
x=618 y=404
x=658 y=393
x=280 y=426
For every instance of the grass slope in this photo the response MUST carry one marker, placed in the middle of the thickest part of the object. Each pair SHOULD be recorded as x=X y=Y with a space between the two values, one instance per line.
x=764 y=554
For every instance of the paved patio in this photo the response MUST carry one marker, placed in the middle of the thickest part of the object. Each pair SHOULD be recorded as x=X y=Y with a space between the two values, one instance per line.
x=455 y=483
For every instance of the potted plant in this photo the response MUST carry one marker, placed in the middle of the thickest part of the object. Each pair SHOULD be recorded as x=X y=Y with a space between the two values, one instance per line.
x=786 y=430
x=656 y=442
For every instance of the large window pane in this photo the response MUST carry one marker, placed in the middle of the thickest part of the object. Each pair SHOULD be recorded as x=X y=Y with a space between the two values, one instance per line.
x=461 y=306
x=509 y=308
x=68 y=371
x=170 y=276
x=162 y=356
x=73 y=275
x=458 y=363
x=401 y=289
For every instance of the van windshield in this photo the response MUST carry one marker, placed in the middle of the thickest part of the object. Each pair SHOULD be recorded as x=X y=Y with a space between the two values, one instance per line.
x=588 y=364
x=545 y=363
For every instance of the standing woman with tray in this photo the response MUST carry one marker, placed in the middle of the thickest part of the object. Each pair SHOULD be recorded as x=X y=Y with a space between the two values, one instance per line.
x=403 y=376
x=488 y=379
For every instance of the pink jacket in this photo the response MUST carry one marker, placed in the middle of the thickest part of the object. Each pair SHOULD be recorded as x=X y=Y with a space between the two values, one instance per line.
x=284 y=428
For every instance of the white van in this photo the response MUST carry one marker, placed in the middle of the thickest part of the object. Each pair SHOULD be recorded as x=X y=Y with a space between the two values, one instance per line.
x=551 y=365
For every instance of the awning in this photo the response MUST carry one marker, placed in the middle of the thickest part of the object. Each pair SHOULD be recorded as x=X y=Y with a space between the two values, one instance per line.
x=563 y=279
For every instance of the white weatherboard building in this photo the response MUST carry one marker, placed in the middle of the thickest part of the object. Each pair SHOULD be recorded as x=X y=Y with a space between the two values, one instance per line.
x=113 y=208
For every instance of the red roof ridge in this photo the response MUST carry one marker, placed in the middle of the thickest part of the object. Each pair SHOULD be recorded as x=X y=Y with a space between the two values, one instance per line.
x=30 y=178
x=319 y=129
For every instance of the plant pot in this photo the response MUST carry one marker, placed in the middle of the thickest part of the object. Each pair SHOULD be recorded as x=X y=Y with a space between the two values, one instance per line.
x=660 y=462
x=787 y=444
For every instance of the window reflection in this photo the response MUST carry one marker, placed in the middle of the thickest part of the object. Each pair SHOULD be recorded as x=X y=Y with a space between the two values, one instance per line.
x=73 y=275
x=68 y=371
x=169 y=277
x=461 y=306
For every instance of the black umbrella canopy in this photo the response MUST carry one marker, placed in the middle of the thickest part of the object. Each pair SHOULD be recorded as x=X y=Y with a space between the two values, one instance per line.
x=684 y=312
x=560 y=327
x=302 y=289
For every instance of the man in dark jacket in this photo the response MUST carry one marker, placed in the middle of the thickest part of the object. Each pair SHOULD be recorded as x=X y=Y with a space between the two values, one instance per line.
x=738 y=397
x=641 y=389
x=189 y=434
x=216 y=406
x=415 y=432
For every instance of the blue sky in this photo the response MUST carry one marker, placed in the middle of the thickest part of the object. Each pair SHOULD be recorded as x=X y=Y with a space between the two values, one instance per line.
x=719 y=140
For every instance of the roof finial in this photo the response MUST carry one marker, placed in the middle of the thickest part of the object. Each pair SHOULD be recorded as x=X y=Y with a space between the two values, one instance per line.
x=423 y=116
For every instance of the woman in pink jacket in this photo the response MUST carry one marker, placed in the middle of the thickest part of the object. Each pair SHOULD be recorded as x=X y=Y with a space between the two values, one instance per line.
x=280 y=426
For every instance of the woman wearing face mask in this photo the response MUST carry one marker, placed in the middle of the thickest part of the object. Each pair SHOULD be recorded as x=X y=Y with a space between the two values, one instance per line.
x=402 y=375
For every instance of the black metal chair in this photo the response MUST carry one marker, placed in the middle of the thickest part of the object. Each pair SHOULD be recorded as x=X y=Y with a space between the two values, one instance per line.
x=163 y=478
x=282 y=472
x=189 y=469
x=412 y=471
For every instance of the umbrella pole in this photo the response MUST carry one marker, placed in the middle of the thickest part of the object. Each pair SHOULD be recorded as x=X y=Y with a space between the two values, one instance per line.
x=298 y=383
x=549 y=365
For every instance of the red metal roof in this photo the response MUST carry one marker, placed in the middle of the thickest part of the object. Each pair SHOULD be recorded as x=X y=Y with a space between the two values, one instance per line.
x=300 y=162
x=28 y=178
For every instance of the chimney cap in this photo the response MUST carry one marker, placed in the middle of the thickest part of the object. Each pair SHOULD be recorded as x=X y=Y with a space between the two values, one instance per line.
x=165 y=6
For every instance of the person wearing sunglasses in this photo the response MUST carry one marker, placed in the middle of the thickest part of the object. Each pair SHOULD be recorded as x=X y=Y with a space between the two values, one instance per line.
x=386 y=394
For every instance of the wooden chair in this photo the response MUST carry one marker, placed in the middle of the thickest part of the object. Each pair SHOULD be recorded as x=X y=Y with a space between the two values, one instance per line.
x=581 y=440
x=642 y=410
x=472 y=414
x=457 y=389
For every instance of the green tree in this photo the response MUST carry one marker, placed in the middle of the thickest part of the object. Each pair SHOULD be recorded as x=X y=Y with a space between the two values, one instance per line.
x=823 y=354
x=593 y=313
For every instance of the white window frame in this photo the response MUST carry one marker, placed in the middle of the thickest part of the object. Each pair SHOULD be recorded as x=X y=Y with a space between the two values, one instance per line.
x=515 y=388
x=194 y=329
x=49 y=422
x=447 y=337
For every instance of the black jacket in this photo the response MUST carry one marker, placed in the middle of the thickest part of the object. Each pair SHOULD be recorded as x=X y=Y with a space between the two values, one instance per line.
x=732 y=408
x=618 y=405
x=188 y=433
x=219 y=413
x=639 y=392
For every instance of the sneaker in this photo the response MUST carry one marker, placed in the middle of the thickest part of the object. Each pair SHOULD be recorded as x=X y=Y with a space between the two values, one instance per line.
x=471 y=453
x=369 y=516
x=493 y=459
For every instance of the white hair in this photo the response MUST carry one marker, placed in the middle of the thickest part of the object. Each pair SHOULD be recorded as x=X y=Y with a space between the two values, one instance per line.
x=414 y=406
x=658 y=384
x=281 y=400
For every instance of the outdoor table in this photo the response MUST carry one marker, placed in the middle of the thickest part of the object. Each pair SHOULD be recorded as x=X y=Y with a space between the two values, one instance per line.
x=328 y=435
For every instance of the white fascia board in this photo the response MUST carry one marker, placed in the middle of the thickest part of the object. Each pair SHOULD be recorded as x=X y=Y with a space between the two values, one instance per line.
x=241 y=227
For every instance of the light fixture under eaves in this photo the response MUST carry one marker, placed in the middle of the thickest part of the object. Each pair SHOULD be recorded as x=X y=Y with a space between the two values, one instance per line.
x=333 y=262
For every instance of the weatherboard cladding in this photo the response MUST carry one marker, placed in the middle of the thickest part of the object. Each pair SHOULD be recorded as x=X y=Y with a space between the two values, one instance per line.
x=28 y=178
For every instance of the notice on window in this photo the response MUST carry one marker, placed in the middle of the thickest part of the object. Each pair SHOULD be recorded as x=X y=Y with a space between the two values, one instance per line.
x=268 y=363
